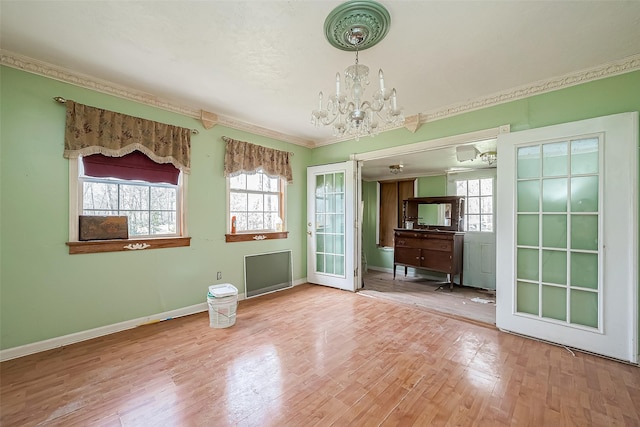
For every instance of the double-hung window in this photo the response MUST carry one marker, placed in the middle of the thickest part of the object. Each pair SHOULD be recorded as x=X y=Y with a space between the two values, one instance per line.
x=150 y=195
x=257 y=177
x=152 y=209
x=256 y=203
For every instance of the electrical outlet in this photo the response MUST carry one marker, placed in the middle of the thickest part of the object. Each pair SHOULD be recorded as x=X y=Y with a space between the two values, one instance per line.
x=219 y=275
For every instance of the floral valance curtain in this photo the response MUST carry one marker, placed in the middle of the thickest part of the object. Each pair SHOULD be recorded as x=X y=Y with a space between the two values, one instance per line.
x=244 y=157
x=91 y=130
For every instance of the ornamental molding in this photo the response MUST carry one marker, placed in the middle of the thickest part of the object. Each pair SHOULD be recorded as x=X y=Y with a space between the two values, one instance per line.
x=260 y=237
x=610 y=69
x=626 y=65
x=137 y=246
x=65 y=75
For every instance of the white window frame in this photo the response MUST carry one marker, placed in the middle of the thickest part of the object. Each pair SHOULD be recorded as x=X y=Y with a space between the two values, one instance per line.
x=258 y=234
x=475 y=175
x=75 y=205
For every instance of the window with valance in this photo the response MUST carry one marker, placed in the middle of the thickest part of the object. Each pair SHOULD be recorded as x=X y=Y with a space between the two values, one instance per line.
x=244 y=157
x=91 y=130
x=257 y=178
x=129 y=167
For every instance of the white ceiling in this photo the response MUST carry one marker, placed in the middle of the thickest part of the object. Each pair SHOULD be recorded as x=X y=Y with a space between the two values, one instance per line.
x=427 y=162
x=264 y=62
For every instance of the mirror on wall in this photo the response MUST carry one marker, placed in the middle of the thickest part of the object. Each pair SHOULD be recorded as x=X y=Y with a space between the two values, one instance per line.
x=442 y=213
x=434 y=215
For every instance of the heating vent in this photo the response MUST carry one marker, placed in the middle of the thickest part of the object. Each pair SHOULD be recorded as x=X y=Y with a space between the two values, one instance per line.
x=268 y=272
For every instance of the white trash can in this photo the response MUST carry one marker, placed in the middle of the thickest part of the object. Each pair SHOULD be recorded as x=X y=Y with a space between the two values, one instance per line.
x=223 y=302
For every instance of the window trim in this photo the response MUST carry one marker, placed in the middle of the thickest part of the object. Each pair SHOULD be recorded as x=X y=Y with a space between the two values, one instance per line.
x=132 y=244
x=472 y=175
x=248 y=236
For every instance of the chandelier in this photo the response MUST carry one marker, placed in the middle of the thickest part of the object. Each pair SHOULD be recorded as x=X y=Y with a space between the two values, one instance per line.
x=355 y=26
x=396 y=169
x=489 y=157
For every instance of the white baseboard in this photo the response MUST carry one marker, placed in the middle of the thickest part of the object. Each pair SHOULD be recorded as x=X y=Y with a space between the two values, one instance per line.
x=49 y=344
x=36 y=347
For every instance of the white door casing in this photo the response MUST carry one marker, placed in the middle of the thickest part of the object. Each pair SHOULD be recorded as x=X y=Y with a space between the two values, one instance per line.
x=615 y=333
x=331 y=226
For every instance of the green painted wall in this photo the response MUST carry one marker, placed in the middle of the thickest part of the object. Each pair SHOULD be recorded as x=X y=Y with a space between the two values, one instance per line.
x=432 y=186
x=45 y=292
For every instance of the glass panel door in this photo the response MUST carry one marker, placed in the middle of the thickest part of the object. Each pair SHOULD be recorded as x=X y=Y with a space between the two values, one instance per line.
x=330 y=233
x=331 y=226
x=557 y=223
x=567 y=234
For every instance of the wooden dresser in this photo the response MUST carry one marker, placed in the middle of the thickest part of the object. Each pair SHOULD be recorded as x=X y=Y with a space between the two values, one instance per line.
x=433 y=250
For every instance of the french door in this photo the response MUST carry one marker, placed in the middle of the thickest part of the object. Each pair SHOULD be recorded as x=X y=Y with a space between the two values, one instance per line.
x=567 y=234
x=333 y=242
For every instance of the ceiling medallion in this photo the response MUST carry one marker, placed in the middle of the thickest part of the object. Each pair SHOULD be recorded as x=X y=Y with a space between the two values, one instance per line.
x=355 y=26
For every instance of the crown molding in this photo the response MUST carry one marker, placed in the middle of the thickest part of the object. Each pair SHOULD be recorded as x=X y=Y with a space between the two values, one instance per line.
x=30 y=65
x=65 y=75
x=610 y=69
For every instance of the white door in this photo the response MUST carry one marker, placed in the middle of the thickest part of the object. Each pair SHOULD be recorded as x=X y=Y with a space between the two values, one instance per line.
x=567 y=235
x=331 y=225
x=479 y=254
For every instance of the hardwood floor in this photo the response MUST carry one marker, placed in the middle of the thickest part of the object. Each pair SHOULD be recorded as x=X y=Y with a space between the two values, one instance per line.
x=318 y=356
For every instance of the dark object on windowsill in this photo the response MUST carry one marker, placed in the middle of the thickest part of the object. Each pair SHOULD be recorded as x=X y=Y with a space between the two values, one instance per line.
x=103 y=227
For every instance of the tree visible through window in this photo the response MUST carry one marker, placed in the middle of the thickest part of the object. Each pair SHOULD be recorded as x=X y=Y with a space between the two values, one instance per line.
x=256 y=200
x=150 y=208
x=478 y=194
x=151 y=204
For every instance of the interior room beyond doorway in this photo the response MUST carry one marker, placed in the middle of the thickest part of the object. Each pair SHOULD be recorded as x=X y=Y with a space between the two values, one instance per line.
x=463 y=302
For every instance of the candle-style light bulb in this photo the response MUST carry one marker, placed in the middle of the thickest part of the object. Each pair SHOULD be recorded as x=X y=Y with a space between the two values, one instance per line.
x=381 y=77
x=394 y=103
x=320 y=101
x=337 y=85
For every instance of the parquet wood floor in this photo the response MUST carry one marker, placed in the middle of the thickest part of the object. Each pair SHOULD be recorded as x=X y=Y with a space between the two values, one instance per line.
x=316 y=356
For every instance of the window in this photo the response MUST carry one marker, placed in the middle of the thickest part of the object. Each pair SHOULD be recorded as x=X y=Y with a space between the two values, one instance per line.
x=256 y=201
x=152 y=209
x=155 y=210
x=478 y=209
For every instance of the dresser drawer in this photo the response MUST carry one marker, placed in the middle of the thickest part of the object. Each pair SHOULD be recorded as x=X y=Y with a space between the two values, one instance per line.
x=436 y=245
x=408 y=240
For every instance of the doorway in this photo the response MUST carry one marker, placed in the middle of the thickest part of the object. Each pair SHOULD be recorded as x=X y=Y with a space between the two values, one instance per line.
x=434 y=164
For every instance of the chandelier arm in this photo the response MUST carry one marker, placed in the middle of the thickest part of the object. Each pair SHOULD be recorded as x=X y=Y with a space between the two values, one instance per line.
x=367 y=105
x=329 y=118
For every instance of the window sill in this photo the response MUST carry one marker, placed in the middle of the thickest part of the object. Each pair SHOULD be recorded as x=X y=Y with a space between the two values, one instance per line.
x=249 y=237
x=96 y=246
